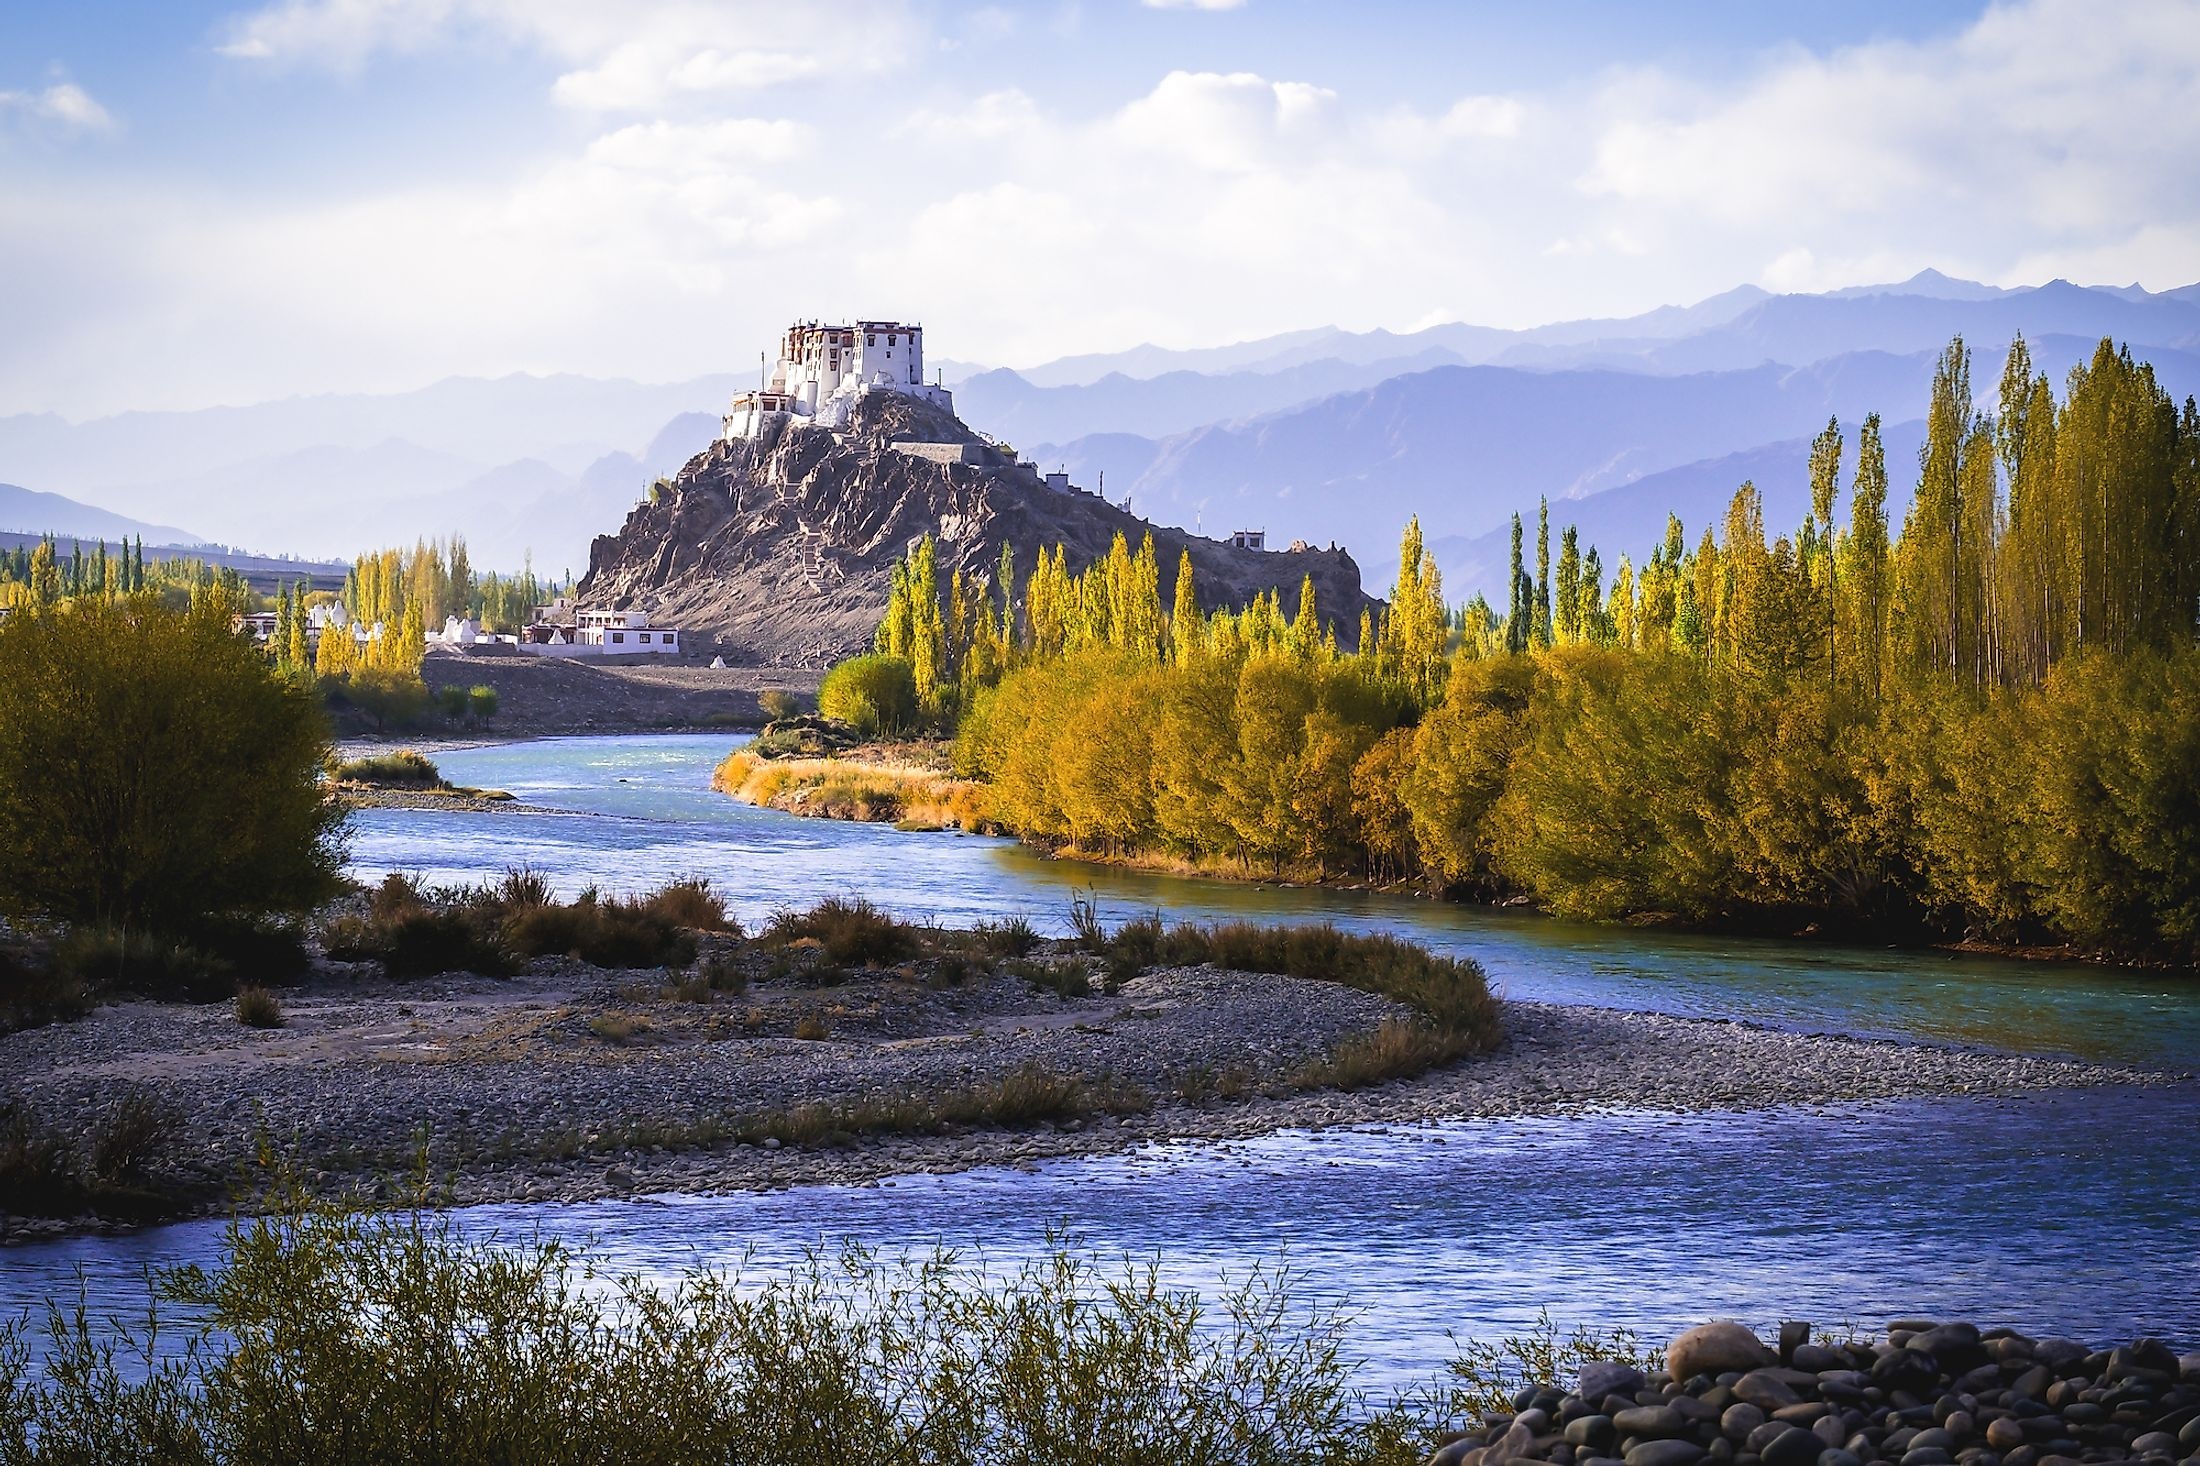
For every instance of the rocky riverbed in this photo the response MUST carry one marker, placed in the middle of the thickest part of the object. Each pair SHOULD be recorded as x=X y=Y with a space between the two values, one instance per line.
x=1926 y=1394
x=569 y=1082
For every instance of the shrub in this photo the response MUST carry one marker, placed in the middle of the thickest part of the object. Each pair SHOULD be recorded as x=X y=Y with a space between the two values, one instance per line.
x=404 y=768
x=848 y=929
x=604 y=933
x=261 y=949
x=392 y=699
x=257 y=1008
x=691 y=904
x=813 y=1027
x=155 y=770
x=32 y=994
x=128 y=1133
x=873 y=694
x=725 y=974
x=1011 y=937
x=319 y=1335
x=101 y=957
x=481 y=701
x=451 y=702
x=779 y=703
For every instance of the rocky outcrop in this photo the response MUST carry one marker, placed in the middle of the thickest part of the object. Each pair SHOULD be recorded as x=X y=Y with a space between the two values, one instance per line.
x=1928 y=1394
x=780 y=550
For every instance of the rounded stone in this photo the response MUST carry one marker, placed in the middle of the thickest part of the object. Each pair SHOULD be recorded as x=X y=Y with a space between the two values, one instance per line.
x=1739 y=1420
x=1665 y=1453
x=1794 y=1446
x=1655 y=1422
x=1601 y=1377
x=2003 y=1433
x=1590 y=1430
x=1713 y=1349
x=2155 y=1443
x=1765 y=1391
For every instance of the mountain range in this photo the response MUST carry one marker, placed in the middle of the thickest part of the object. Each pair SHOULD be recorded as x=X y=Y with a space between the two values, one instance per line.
x=27 y=511
x=1321 y=435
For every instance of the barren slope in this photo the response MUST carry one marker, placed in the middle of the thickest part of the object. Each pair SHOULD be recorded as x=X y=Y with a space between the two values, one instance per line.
x=781 y=550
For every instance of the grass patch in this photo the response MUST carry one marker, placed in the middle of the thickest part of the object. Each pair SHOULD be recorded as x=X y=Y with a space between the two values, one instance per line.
x=1453 y=1013
x=106 y=958
x=618 y=1028
x=100 y=1163
x=403 y=769
x=1032 y=1094
x=258 y=1008
x=492 y=929
x=852 y=789
x=848 y=930
x=813 y=1028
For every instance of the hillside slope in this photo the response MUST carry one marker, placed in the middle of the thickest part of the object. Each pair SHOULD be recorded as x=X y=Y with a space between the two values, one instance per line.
x=782 y=550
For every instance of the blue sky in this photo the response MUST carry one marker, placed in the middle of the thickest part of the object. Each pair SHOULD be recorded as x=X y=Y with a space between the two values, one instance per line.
x=203 y=203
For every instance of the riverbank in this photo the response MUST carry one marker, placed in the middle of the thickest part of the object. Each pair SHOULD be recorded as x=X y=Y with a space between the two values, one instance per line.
x=570 y=1083
x=910 y=784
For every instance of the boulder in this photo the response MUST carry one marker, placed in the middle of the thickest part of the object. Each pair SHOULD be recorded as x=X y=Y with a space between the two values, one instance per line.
x=1714 y=1349
x=1601 y=1377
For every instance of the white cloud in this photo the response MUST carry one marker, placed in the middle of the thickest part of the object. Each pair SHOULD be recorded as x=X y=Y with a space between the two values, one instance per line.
x=64 y=106
x=1023 y=222
x=1232 y=124
x=628 y=57
x=2058 y=114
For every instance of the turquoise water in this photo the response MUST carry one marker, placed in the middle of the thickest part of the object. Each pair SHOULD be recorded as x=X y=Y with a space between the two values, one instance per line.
x=2070 y=1211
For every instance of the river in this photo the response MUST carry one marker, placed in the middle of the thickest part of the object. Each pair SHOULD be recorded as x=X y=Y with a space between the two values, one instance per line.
x=2074 y=1211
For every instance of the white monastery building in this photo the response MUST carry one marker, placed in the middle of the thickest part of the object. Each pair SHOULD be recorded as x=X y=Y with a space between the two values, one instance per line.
x=824 y=370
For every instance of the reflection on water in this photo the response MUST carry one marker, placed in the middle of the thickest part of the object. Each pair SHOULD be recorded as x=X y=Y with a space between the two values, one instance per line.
x=650 y=815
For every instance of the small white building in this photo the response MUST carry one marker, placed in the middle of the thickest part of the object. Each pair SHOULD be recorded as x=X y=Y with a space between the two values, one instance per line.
x=460 y=631
x=1249 y=539
x=824 y=370
x=616 y=633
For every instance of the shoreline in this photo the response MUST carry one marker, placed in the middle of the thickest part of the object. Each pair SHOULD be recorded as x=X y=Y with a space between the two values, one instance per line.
x=474 y=1071
x=794 y=797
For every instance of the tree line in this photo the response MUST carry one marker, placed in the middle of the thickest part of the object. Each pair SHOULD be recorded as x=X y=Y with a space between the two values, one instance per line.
x=1986 y=722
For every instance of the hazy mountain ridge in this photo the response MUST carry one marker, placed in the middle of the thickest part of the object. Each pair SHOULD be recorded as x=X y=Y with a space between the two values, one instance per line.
x=28 y=511
x=1465 y=447
x=1308 y=433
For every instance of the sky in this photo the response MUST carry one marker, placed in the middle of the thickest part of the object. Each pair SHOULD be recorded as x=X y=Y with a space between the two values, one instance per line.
x=207 y=203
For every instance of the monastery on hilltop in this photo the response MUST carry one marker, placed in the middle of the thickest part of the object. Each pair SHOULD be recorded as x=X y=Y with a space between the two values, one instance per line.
x=823 y=370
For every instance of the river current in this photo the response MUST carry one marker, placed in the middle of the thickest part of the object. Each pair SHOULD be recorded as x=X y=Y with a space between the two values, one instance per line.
x=2071 y=1211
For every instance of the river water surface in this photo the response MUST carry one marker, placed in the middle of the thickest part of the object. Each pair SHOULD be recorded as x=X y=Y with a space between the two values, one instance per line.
x=2074 y=1211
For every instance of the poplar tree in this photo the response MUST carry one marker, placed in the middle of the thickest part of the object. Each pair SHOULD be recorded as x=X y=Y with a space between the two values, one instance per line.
x=1825 y=480
x=1864 y=553
x=1542 y=629
x=1519 y=614
x=1567 y=610
x=45 y=576
x=1185 y=622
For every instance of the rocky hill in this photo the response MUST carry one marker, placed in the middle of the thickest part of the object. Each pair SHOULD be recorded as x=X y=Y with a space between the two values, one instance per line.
x=781 y=550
